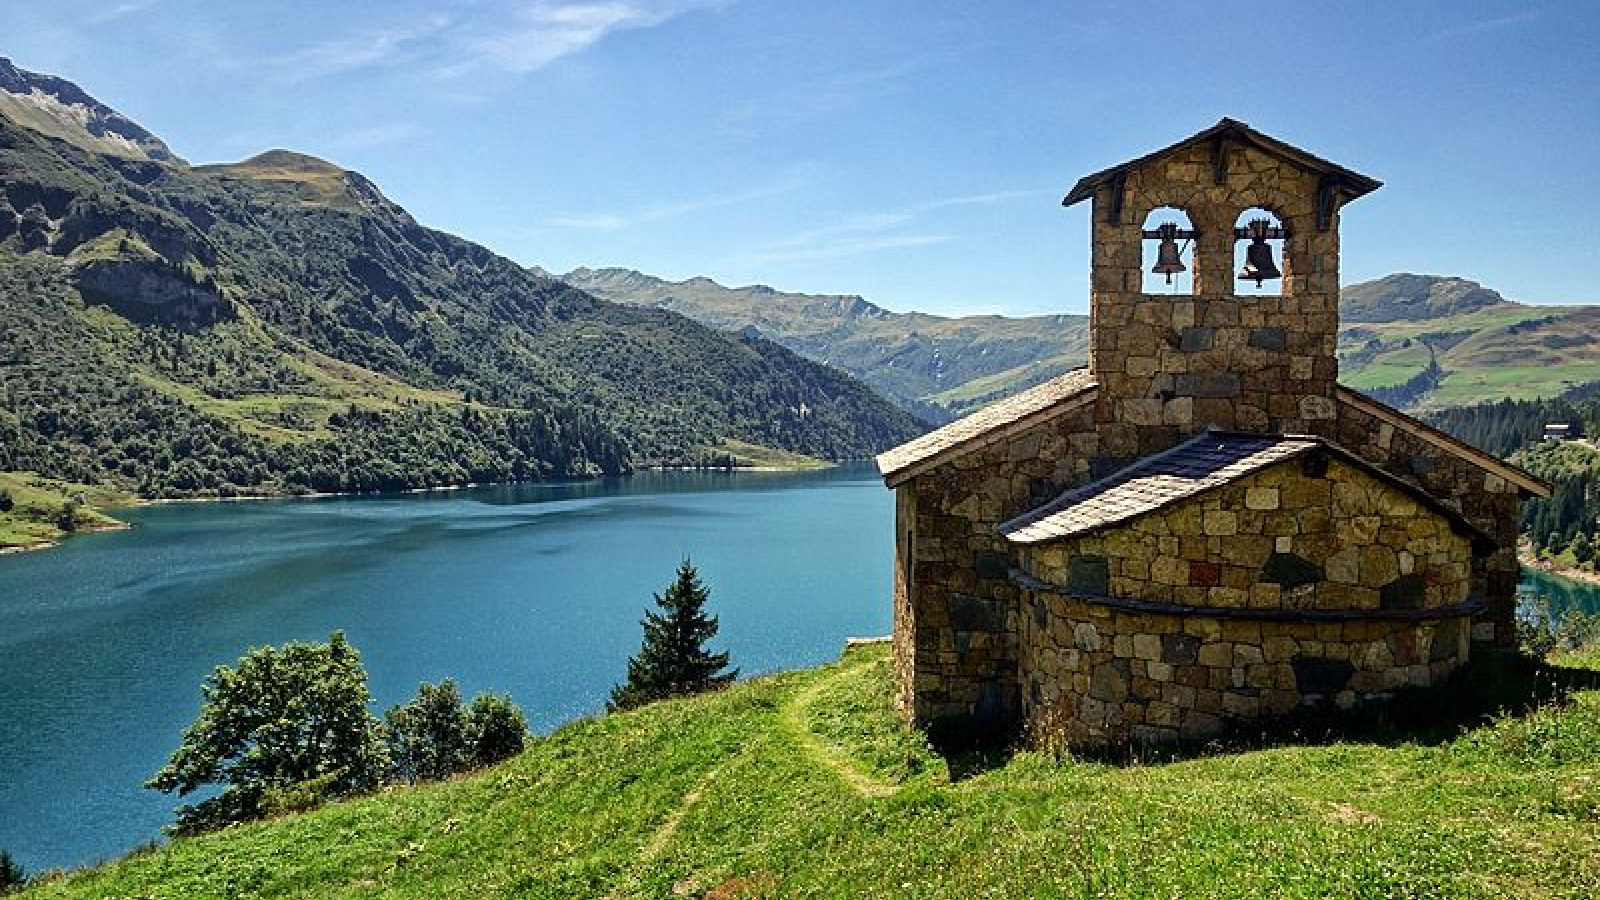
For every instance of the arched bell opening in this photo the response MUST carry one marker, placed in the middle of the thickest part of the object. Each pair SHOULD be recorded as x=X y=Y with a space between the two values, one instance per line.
x=1167 y=257
x=1259 y=242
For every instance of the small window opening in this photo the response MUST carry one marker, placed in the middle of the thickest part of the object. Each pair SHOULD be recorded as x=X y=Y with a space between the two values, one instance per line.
x=1168 y=252
x=1259 y=239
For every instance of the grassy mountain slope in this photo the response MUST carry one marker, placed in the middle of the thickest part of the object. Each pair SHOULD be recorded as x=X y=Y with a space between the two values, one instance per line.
x=936 y=366
x=1430 y=342
x=803 y=784
x=279 y=325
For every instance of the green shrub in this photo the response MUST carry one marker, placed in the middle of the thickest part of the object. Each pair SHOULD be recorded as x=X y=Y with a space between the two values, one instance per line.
x=496 y=730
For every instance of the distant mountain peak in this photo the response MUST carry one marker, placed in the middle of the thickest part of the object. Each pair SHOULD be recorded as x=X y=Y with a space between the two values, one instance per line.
x=1405 y=296
x=316 y=179
x=57 y=108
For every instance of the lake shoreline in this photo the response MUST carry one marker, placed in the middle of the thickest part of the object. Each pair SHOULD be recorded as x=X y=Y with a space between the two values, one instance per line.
x=108 y=509
x=1549 y=568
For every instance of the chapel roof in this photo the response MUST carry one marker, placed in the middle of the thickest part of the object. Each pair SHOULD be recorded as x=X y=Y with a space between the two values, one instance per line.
x=1350 y=184
x=1201 y=464
x=984 y=426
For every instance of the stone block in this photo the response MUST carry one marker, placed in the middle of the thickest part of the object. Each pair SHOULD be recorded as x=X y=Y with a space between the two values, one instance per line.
x=1086 y=637
x=1220 y=522
x=1261 y=498
x=1147 y=646
x=1208 y=385
x=1216 y=655
x=1317 y=408
x=1268 y=339
x=1197 y=338
x=1179 y=649
x=1108 y=682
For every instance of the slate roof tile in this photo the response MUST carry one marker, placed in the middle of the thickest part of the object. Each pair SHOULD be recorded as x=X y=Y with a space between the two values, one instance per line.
x=1207 y=461
x=985 y=421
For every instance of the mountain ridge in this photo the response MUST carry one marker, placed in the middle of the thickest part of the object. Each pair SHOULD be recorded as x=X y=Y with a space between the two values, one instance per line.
x=1418 y=341
x=61 y=109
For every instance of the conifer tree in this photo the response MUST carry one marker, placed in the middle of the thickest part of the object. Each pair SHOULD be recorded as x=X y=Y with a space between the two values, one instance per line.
x=673 y=659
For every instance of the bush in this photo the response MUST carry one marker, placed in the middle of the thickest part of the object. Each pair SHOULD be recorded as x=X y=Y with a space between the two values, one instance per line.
x=434 y=736
x=428 y=736
x=496 y=730
x=12 y=876
x=283 y=723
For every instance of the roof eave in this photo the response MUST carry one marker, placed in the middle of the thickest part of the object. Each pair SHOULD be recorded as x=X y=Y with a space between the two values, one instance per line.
x=1350 y=183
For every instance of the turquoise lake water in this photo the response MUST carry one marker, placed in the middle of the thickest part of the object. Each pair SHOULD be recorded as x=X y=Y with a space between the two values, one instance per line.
x=531 y=590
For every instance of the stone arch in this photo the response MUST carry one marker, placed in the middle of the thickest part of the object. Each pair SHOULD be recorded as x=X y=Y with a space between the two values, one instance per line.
x=1281 y=248
x=1182 y=283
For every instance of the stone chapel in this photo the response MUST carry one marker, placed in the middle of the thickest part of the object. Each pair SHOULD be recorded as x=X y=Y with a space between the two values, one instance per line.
x=1203 y=525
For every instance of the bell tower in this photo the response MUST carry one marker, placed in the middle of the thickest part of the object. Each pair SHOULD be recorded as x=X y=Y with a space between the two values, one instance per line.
x=1227 y=351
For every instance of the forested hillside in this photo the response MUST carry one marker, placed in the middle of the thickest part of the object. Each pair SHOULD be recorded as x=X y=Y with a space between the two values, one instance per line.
x=1568 y=522
x=278 y=325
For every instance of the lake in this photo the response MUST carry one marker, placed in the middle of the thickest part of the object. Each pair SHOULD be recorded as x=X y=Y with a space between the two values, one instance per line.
x=531 y=590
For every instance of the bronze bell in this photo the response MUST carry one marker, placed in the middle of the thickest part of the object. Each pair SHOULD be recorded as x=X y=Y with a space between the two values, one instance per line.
x=1258 y=264
x=1168 y=259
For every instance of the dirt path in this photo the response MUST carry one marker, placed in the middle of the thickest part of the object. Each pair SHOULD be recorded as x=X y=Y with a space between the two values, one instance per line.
x=793 y=717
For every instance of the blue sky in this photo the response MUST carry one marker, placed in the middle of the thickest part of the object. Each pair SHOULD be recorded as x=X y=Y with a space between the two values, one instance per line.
x=912 y=152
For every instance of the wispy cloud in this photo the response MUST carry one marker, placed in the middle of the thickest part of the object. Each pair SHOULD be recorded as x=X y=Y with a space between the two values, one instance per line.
x=1482 y=26
x=374 y=136
x=116 y=11
x=500 y=36
x=872 y=232
x=673 y=209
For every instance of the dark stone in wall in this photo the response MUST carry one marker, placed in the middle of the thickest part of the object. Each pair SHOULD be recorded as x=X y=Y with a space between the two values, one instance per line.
x=1197 y=338
x=1315 y=675
x=975 y=614
x=1207 y=385
x=1269 y=339
x=1291 y=571
x=1405 y=592
x=1089 y=575
x=1422 y=465
x=992 y=565
x=1446 y=637
x=1180 y=649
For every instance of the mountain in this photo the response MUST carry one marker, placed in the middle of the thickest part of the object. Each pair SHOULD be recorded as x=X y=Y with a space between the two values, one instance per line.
x=937 y=367
x=58 y=108
x=1430 y=342
x=1404 y=296
x=280 y=325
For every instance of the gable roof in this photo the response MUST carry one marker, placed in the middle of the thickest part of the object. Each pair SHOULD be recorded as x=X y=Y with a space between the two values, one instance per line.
x=1201 y=464
x=1462 y=450
x=1349 y=183
x=987 y=425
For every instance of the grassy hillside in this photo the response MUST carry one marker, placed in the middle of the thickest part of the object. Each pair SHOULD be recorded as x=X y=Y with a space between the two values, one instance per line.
x=803 y=785
x=38 y=515
x=1484 y=347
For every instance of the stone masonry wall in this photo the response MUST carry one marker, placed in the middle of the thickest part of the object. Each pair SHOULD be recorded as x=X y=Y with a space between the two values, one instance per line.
x=955 y=606
x=1483 y=498
x=1264 y=551
x=1101 y=675
x=1276 y=539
